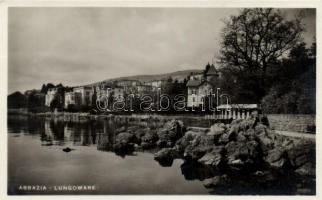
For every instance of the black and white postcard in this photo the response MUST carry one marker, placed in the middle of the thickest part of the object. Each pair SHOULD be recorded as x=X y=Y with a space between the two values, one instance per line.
x=188 y=99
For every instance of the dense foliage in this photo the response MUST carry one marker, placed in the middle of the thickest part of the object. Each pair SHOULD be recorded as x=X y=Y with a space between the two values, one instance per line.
x=264 y=61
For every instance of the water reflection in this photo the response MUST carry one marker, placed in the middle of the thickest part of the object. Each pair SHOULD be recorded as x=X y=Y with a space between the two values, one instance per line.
x=192 y=170
x=101 y=134
x=106 y=138
x=56 y=132
x=100 y=137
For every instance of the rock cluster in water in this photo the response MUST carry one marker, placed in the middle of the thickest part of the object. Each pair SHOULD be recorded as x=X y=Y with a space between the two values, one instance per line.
x=243 y=150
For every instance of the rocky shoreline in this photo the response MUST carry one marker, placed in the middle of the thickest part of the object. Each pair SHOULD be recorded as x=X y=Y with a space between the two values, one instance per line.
x=244 y=153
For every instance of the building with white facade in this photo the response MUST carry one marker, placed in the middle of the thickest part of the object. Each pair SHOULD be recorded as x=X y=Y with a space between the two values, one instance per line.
x=201 y=85
x=118 y=93
x=83 y=95
x=128 y=83
x=197 y=91
x=69 y=99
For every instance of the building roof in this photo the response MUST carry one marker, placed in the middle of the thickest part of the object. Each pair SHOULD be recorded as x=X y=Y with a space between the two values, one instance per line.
x=197 y=82
x=212 y=71
x=194 y=83
x=84 y=86
x=238 y=106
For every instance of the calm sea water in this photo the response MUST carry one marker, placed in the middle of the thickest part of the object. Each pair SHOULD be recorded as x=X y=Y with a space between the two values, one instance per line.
x=36 y=157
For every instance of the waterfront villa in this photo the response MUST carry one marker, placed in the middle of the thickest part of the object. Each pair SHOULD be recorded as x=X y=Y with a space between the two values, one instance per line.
x=118 y=93
x=199 y=86
x=197 y=91
x=102 y=90
x=83 y=95
x=70 y=99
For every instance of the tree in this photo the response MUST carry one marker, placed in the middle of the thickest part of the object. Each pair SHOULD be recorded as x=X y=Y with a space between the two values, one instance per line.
x=45 y=87
x=17 y=100
x=94 y=98
x=294 y=86
x=56 y=103
x=254 y=40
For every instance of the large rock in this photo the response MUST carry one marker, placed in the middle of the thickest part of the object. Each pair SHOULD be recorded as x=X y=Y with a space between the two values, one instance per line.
x=198 y=147
x=165 y=156
x=241 y=137
x=170 y=133
x=149 y=140
x=250 y=134
x=217 y=130
x=301 y=152
x=124 y=143
x=203 y=140
x=223 y=139
x=266 y=143
x=196 y=152
x=217 y=181
x=242 y=124
x=233 y=132
x=260 y=129
x=140 y=132
x=123 y=149
x=277 y=158
x=125 y=137
x=185 y=141
x=213 y=158
x=237 y=130
x=308 y=169
x=243 y=155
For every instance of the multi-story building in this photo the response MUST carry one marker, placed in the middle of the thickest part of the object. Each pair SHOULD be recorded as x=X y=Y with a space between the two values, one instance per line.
x=197 y=91
x=200 y=86
x=69 y=99
x=141 y=89
x=156 y=83
x=118 y=93
x=83 y=95
x=102 y=91
x=128 y=83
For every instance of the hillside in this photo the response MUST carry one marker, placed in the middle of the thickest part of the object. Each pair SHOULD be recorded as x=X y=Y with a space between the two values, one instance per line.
x=179 y=75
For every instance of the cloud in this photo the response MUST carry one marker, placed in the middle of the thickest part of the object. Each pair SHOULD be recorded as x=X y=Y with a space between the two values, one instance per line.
x=83 y=45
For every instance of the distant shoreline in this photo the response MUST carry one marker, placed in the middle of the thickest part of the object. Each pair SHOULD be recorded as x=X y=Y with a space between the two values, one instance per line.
x=281 y=123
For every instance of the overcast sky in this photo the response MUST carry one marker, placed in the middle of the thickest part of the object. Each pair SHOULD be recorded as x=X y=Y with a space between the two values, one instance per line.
x=78 y=46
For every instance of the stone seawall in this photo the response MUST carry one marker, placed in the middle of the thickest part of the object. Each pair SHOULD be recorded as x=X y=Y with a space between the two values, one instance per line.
x=296 y=123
